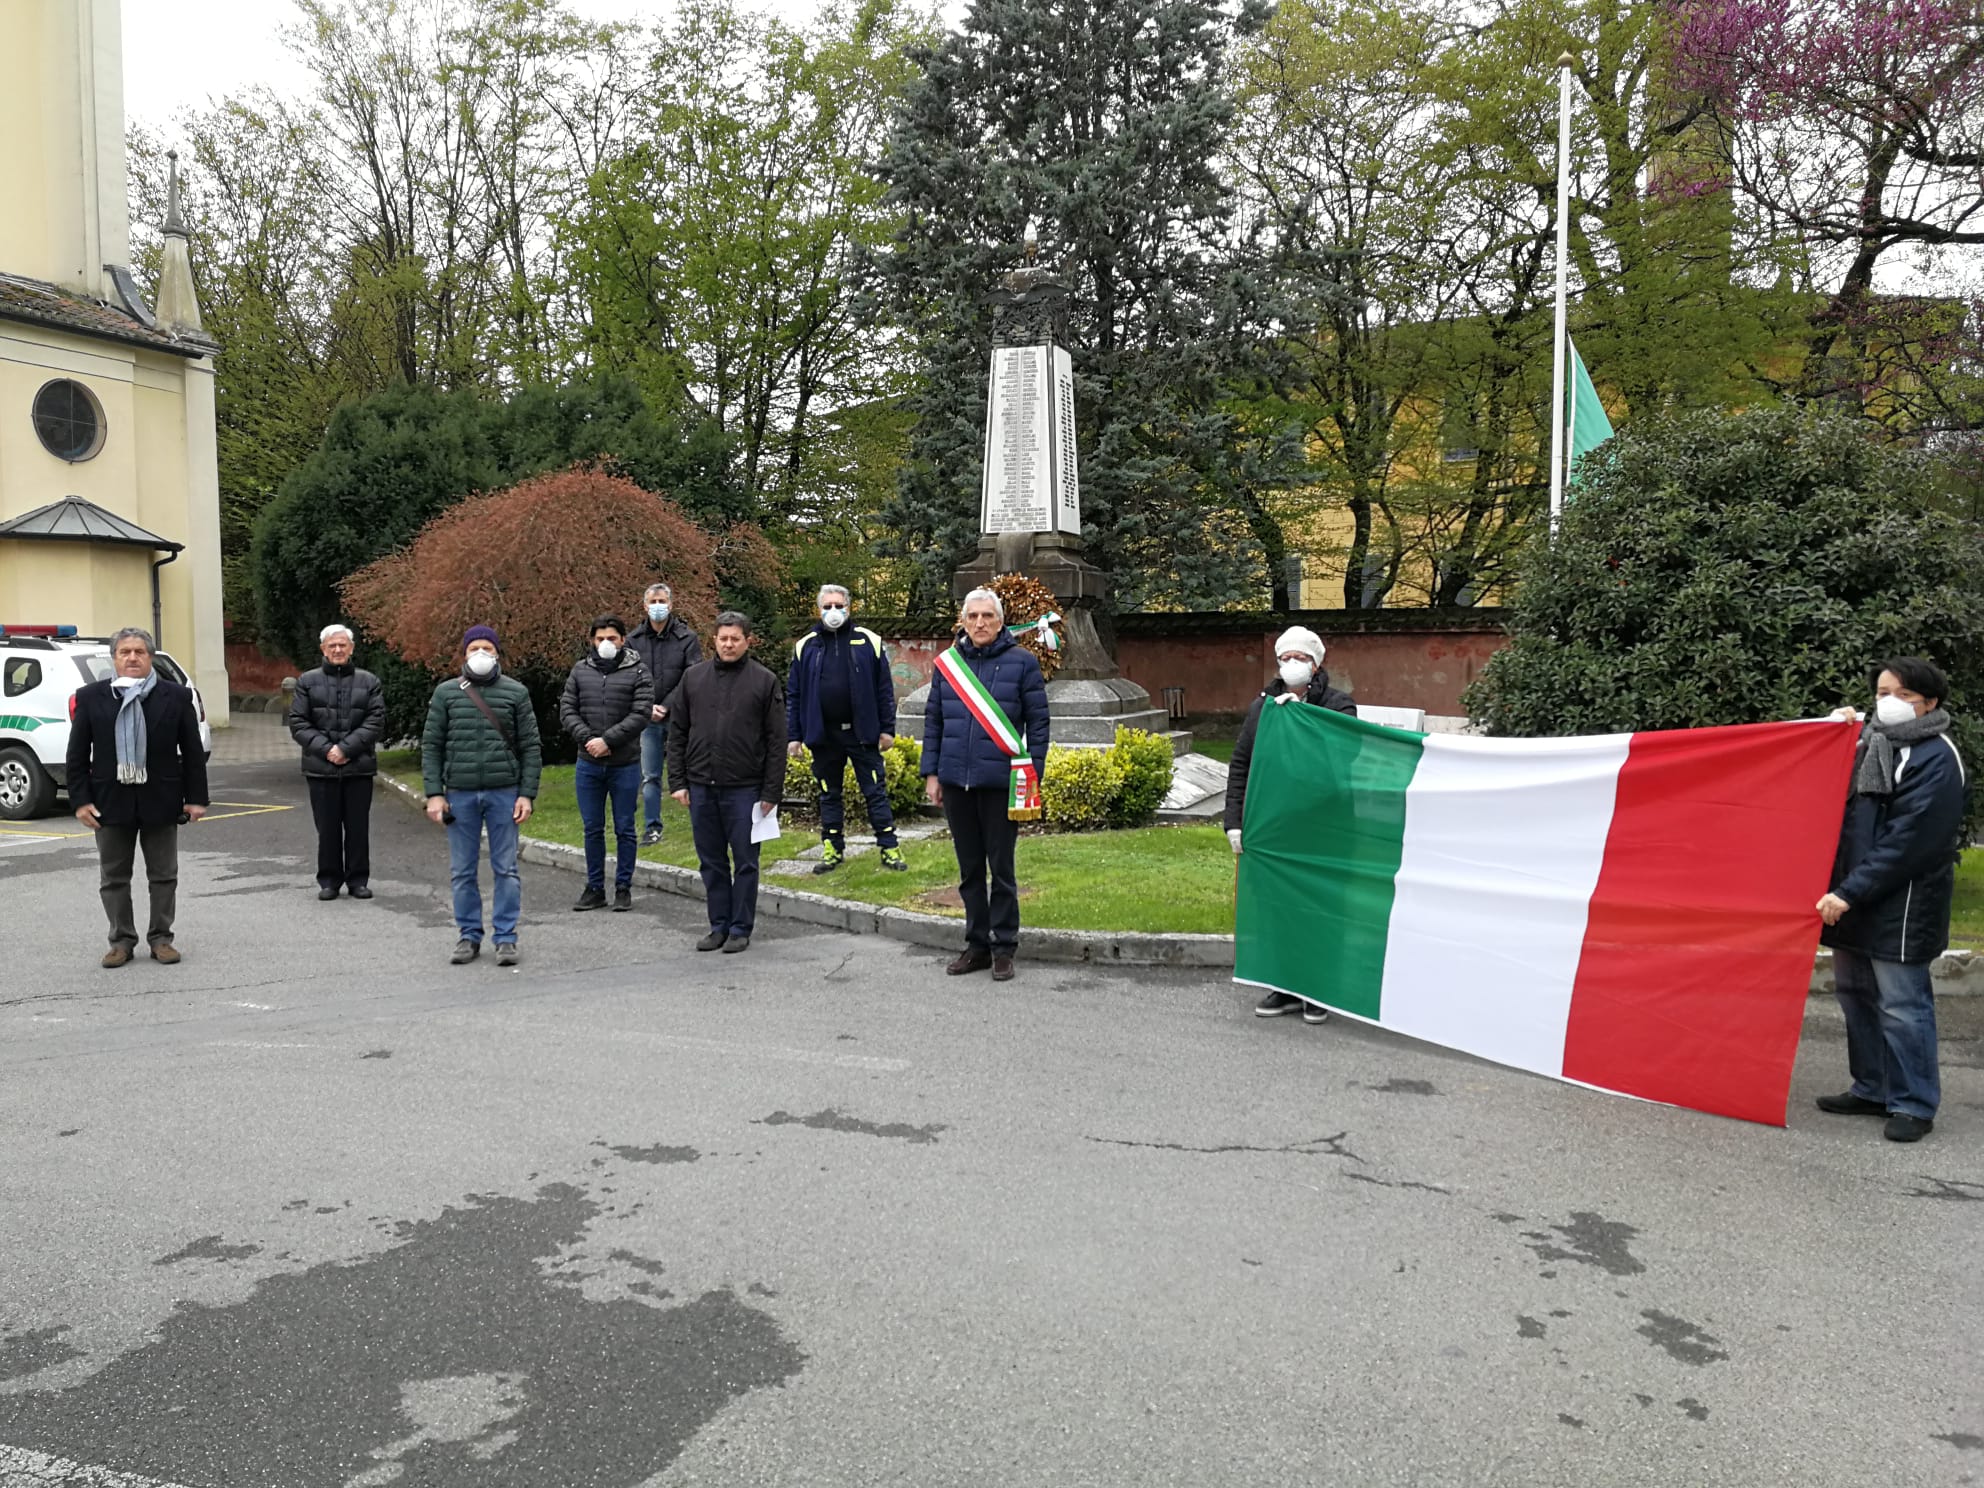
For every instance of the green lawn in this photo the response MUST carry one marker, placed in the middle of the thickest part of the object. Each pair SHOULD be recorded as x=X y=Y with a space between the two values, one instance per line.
x=1164 y=879
x=1219 y=749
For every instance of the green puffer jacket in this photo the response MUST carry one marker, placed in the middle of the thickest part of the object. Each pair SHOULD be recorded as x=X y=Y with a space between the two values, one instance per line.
x=459 y=750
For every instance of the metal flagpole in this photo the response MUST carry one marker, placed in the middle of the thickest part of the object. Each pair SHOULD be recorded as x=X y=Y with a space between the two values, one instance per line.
x=1564 y=65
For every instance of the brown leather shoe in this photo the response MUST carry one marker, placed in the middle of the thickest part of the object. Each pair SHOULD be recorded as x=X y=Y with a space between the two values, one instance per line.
x=164 y=951
x=968 y=962
x=1002 y=968
x=117 y=955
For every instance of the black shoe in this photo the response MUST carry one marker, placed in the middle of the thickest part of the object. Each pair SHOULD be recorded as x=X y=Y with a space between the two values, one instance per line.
x=1002 y=968
x=465 y=952
x=970 y=961
x=1902 y=1128
x=623 y=899
x=591 y=898
x=327 y=893
x=506 y=953
x=652 y=836
x=1850 y=1104
x=713 y=941
x=1275 y=1004
x=735 y=944
x=1311 y=1013
x=360 y=891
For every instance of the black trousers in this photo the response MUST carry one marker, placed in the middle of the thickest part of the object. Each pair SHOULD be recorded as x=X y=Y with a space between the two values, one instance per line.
x=985 y=838
x=342 y=806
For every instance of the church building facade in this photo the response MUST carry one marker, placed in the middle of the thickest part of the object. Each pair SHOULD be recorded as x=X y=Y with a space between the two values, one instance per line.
x=109 y=480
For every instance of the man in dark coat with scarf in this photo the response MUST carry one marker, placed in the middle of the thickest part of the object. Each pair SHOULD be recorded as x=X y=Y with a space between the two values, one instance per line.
x=1300 y=676
x=980 y=781
x=136 y=770
x=338 y=717
x=1887 y=915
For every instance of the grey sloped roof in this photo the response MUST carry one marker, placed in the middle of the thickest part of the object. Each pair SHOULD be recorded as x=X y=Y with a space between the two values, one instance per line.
x=36 y=302
x=73 y=519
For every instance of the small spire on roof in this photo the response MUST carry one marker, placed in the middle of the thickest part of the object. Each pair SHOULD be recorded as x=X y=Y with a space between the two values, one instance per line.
x=173 y=223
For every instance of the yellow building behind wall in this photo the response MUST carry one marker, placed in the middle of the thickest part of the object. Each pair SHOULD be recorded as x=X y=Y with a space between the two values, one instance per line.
x=102 y=397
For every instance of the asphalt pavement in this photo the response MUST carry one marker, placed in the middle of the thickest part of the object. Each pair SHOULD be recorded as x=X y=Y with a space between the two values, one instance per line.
x=316 y=1207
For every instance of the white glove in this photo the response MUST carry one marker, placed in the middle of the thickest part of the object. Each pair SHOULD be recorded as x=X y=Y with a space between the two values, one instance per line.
x=1284 y=697
x=1233 y=836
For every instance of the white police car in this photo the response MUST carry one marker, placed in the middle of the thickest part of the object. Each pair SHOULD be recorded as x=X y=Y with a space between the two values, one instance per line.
x=41 y=667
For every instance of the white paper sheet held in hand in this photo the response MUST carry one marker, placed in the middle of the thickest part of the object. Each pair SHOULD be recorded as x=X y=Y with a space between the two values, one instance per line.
x=764 y=822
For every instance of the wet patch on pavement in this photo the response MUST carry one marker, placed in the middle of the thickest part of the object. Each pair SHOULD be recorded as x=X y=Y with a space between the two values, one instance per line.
x=1590 y=1240
x=1528 y=1327
x=1948 y=1188
x=1396 y=1086
x=33 y=1350
x=832 y=1120
x=1963 y=1441
x=656 y=1154
x=1681 y=1338
x=208 y=1248
x=450 y=1358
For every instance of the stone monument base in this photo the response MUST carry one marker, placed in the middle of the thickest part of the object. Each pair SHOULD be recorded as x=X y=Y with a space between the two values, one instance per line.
x=1083 y=713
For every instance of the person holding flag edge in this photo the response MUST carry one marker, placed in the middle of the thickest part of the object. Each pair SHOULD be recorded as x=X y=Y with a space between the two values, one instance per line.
x=985 y=732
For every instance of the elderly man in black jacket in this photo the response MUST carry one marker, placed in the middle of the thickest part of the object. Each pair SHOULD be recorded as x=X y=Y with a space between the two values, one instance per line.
x=136 y=770
x=606 y=704
x=667 y=648
x=726 y=760
x=339 y=716
x=1299 y=676
x=1887 y=915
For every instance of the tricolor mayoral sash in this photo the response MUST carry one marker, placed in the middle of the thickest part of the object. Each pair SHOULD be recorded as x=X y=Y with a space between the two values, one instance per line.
x=1023 y=801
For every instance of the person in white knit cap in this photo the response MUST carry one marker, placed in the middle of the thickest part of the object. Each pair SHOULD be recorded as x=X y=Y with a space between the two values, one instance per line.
x=1299 y=678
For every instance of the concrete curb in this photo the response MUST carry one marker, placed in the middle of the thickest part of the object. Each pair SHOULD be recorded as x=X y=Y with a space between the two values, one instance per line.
x=939 y=932
x=1957 y=974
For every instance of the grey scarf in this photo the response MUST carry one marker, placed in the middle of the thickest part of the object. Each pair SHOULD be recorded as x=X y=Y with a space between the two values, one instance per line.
x=1879 y=749
x=131 y=739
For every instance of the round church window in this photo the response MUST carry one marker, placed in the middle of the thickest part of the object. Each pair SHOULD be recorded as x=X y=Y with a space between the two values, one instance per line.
x=68 y=420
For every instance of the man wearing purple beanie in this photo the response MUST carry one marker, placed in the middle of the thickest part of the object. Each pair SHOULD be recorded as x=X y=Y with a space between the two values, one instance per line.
x=480 y=758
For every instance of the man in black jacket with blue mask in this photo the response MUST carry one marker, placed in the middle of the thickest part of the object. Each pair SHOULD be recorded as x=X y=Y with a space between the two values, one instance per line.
x=1887 y=915
x=667 y=647
x=839 y=704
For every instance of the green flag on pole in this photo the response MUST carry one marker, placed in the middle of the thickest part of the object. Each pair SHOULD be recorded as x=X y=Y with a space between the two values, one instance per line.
x=1589 y=427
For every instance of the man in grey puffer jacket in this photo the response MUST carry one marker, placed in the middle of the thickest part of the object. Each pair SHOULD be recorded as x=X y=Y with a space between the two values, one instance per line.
x=339 y=716
x=605 y=706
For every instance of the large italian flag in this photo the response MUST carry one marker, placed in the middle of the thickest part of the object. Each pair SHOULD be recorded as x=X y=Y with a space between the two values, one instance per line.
x=1632 y=912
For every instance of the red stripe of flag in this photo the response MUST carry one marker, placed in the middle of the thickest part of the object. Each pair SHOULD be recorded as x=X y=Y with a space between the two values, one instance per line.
x=1697 y=955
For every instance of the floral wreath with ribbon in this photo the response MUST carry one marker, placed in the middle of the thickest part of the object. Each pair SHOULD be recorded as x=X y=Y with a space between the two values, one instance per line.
x=1031 y=617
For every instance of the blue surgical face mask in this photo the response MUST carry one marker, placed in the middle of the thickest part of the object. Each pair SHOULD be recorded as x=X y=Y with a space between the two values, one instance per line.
x=657 y=613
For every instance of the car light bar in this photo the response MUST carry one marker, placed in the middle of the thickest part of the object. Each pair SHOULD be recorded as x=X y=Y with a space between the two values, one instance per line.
x=52 y=632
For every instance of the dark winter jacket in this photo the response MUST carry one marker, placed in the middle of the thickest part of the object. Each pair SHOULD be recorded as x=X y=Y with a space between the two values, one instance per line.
x=339 y=705
x=726 y=728
x=872 y=690
x=1896 y=865
x=175 y=765
x=610 y=701
x=1319 y=695
x=960 y=753
x=667 y=653
x=460 y=750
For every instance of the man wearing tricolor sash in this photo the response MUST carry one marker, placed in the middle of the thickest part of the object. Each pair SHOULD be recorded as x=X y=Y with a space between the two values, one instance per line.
x=984 y=749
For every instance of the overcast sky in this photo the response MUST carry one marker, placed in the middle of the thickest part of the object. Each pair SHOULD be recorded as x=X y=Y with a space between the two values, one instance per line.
x=181 y=53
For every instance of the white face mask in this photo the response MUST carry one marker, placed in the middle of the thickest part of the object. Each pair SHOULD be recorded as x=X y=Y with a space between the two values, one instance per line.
x=1893 y=710
x=1297 y=673
x=607 y=650
x=833 y=618
x=482 y=663
x=657 y=613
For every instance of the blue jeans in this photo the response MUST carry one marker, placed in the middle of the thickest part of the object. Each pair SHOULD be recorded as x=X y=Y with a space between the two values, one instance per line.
x=595 y=783
x=720 y=819
x=654 y=755
x=475 y=810
x=1890 y=1032
x=830 y=763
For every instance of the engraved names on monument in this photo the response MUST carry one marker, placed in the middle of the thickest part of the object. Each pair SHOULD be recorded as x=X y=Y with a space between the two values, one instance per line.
x=1030 y=443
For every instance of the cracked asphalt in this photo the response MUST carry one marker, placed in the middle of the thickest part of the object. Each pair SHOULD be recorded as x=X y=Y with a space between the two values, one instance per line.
x=315 y=1207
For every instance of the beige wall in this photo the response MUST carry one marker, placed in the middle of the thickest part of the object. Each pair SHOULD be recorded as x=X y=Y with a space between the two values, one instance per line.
x=62 y=120
x=156 y=468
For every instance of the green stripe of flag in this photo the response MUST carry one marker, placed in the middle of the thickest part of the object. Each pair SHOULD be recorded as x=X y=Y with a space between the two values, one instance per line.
x=1590 y=426
x=1322 y=840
